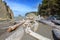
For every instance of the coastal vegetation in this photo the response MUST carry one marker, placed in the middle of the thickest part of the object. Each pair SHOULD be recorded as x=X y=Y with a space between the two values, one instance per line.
x=49 y=7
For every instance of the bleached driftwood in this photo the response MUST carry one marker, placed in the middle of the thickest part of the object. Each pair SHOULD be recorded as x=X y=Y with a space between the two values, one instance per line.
x=17 y=35
x=11 y=28
x=35 y=35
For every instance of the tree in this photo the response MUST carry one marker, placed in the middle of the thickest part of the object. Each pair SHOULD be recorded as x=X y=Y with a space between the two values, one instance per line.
x=49 y=7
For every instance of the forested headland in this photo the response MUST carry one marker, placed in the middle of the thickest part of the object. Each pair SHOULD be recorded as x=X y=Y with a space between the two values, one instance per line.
x=49 y=7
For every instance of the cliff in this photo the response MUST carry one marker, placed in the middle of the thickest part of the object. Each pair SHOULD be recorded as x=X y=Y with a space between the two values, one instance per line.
x=5 y=12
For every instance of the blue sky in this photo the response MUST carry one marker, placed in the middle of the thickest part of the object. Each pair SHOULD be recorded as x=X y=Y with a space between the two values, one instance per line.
x=21 y=7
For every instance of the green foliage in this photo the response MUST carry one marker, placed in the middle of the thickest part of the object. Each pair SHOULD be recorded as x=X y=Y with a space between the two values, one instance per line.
x=36 y=13
x=49 y=7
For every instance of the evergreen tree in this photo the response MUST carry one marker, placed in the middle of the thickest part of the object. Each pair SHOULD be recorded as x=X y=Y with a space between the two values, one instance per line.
x=49 y=7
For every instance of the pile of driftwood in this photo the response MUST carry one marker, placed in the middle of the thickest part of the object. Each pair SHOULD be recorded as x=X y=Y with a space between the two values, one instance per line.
x=28 y=24
x=28 y=21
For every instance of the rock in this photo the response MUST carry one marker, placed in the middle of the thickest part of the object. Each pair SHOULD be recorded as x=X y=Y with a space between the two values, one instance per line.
x=5 y=12
x=31 y=14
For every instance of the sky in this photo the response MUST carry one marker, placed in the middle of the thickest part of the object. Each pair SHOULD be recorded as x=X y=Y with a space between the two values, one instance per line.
x=21 y=7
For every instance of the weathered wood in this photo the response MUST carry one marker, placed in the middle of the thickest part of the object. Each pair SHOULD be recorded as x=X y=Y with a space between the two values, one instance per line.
x=17 y=35
x=42 y=30
x=37 y=36
x=11 y=28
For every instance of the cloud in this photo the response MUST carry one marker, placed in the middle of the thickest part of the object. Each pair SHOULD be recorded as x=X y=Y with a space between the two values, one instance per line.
x=21 y=9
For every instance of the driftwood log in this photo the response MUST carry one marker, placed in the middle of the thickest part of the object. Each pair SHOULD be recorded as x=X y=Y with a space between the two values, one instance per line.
x=11 y=28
